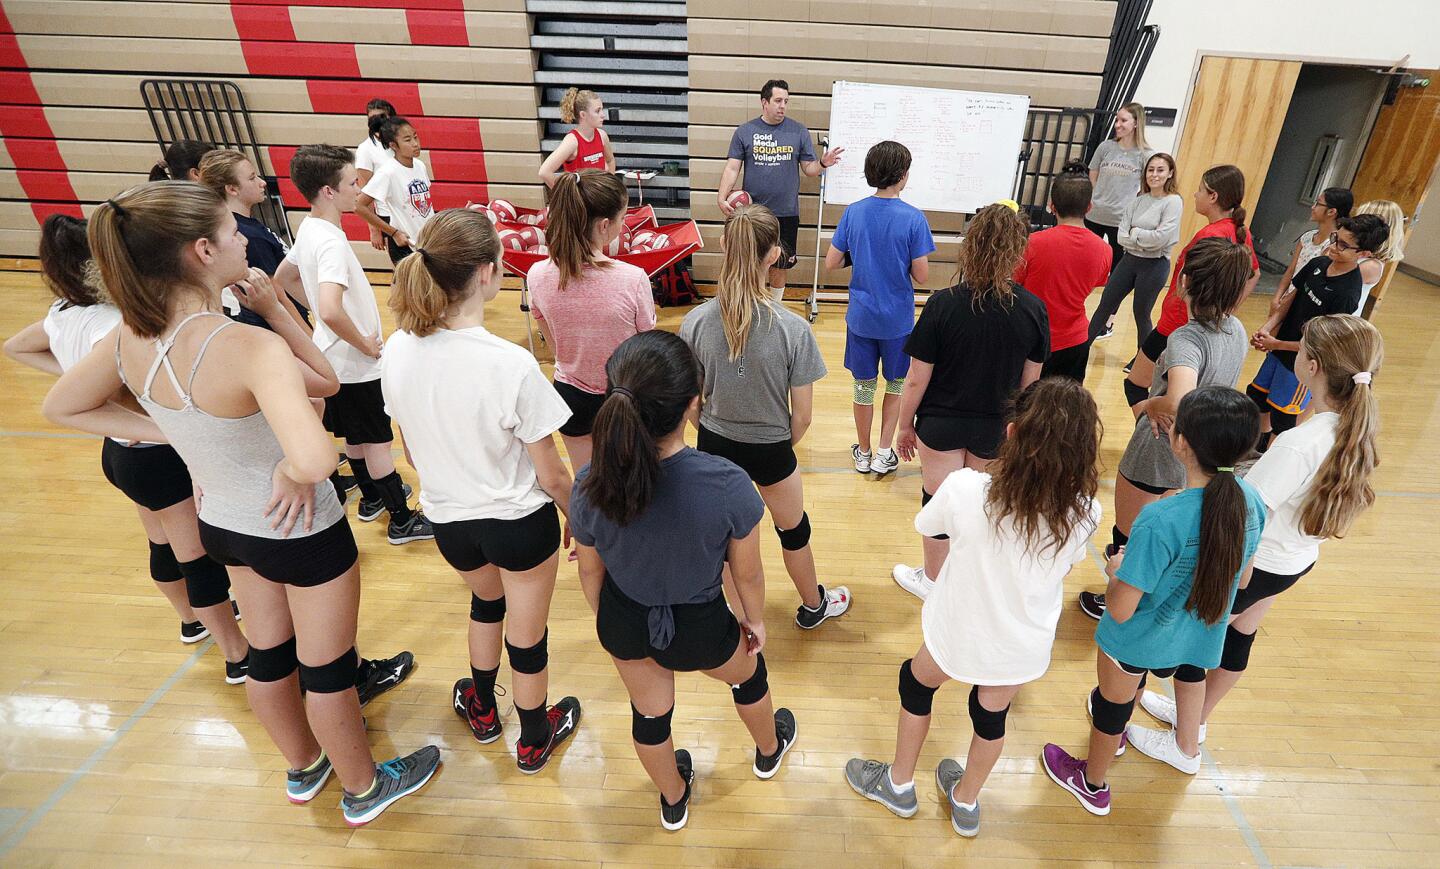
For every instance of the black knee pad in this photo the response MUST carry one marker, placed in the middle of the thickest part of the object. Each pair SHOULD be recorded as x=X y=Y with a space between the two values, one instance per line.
x=1189 y=673
x=797 y=537
x=754 y=689
x=1236 y=656
x=163 y=566
x=915 y=698
x=532 y=660
x=650 y=730
x=487 y=611
x=1281 y=422
x=1135 y=393
x=334 y=677
x=1110 y=718
x=926 y=498
x=273 y=664
x=987 y=724
x=206 y=582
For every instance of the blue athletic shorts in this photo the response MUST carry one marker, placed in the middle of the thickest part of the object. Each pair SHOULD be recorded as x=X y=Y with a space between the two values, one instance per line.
x=1279 y=387
x=864 y=356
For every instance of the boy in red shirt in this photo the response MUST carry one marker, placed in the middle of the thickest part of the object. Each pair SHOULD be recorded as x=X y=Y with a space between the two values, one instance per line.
x=1063 y=265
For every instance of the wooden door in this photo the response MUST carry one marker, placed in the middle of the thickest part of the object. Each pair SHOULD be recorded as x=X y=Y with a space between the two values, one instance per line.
x=1400 y=159
x=1236 y=111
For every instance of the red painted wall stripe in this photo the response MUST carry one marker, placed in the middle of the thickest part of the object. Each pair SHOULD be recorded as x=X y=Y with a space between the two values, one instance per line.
x=17 y=88
x=30 y=122
x=367 y=4
x=301 y=58
x=432 y=27
x=35 y=154
x=263 y=22
x=349 y=97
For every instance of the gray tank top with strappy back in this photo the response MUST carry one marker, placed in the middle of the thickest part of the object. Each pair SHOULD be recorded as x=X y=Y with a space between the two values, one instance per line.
x=231 y=460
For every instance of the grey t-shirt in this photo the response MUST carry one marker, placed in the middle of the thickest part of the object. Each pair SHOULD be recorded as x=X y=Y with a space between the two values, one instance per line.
x=772 y=154
x=1118 y=172
x=748 y=399
x=1216 y=357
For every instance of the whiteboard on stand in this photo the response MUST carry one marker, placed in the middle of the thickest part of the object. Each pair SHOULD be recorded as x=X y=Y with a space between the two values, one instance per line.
x=964 y=145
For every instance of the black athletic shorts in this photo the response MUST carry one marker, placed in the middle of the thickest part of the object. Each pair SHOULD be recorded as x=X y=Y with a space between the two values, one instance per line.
x=1069 y=362
x=1146 y=487
x=766 y=464
x=1154 y=344
x=509 y=544
x=298 y=561
x=583 y=407
x=789 y=236
x=1264 y=584
x=154 y=477
x=981 y=436
x=706 y=634
x=357 y=414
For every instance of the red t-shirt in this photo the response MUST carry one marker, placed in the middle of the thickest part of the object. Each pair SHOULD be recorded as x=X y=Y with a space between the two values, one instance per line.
x=1174 y=313
x=588 y=155
x=1063 y=265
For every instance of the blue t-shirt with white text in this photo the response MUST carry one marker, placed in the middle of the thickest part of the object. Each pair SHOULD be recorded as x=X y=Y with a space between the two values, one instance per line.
x=882 y=236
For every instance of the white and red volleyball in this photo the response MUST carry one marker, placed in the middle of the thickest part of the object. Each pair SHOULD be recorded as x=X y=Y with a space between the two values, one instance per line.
x=620 y=244
x=510 y=240
x=503 y=209
x=658 y=240
x=542 y=250
x=642 y=238
x=532 y=236
x=737 y=199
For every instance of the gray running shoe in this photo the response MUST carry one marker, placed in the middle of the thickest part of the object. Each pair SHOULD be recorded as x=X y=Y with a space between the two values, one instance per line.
x=966 y=822
x=301 y=787
x=394 y=779
x=871 y=780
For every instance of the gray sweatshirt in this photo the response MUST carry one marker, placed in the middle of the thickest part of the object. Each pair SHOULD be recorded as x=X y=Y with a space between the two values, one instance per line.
x=1150 y=227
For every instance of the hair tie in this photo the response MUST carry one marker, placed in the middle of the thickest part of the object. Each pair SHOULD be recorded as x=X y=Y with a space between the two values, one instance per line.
x=119 y=212
x=620 y=390
x=1361 y=377
x=1010 y=204
x=1225 y=470
x=424 y=254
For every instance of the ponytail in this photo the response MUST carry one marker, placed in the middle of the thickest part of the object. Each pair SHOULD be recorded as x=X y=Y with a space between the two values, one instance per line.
x=450 y=247
x=1221 y=426
x=1228 y=184
x=65 y=262
x=577 y=202
x=1216 y=271
x=1349 y=352
x=1237 y=217
x=993 y=246
x=179 y=159
x=751 y=232
x=574 y=102
x=653 y=376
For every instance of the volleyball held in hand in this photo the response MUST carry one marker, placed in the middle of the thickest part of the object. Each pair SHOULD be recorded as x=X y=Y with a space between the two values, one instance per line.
x=737 y=199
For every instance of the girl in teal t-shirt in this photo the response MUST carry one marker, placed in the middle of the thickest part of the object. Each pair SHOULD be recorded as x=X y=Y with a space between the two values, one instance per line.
x=1170 y=592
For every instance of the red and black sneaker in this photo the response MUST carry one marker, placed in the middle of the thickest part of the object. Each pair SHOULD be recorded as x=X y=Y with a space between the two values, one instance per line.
x=484 y=726
x=564 y=717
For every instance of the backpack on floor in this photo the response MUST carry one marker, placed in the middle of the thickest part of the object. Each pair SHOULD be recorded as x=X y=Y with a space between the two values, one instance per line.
x=673 y=285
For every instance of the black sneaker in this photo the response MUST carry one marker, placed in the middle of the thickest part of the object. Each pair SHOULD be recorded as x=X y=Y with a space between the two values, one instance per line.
x=417 y=528
x=347 y=482
x=369 y=510
x=193 y=632
x=564 y=718
x=1092 y=604
x=674 y=817
x=484 y=726
x=377 y=676
x=834 y=603
x=1109 y=330
x=785 y=732
x=1129 y=365
x=234 y=605
x=235 y=673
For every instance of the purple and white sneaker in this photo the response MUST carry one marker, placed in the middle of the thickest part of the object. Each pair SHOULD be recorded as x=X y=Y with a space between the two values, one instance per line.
x=1069 y=773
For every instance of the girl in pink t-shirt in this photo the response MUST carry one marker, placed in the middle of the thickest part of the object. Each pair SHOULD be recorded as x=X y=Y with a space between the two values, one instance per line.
x=585 y=302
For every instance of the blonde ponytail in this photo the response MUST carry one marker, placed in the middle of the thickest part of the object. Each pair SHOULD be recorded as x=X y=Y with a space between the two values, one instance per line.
x=1349 y=352
x=451 y=246
x=574 y=102
x=751 y=233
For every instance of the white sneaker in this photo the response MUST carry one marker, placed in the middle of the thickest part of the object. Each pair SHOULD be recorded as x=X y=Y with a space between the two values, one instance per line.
x=862 y=459
x=885 y=462
x=834 y=602
x=913 y=580
x=1163 y=709
x=1161 y=745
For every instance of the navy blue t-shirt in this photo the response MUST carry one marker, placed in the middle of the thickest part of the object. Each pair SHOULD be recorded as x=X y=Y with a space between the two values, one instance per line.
x=265 y=252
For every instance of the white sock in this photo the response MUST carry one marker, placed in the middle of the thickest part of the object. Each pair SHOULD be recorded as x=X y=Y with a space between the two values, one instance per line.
x=900 y=789
x=969 y=807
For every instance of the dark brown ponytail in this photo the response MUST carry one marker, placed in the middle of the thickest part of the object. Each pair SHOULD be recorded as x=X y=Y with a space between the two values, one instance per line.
x=1228 y=184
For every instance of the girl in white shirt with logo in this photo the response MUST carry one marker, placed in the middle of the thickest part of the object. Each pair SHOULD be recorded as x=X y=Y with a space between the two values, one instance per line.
x=403 y=184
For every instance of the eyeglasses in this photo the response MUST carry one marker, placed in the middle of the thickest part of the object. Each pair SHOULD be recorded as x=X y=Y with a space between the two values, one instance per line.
x=1339 y=245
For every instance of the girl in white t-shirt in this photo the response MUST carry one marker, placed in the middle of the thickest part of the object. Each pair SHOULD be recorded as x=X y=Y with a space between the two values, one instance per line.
x=1015 y=531
x=479 y=422
x=1315 y=481
x=403 y=184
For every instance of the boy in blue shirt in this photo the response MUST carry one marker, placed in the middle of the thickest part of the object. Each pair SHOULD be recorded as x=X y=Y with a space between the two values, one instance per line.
x=887 y=244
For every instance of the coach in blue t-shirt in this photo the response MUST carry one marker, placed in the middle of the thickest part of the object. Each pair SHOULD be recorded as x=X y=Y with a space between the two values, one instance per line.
x=770 y=149
x=888 y=244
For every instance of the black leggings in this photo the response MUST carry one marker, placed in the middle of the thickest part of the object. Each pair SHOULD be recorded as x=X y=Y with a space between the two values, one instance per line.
x=1146 y=277
x=1111 y=234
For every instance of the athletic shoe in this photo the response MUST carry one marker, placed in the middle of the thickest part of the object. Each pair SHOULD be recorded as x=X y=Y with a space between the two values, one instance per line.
x=347 y=482
x=235 y=673
x=1109 y=331
x=1161 y=745
x=417 y=528
x=1124 y=740
x=235 y=605
x=833 y=604
x=564 y=717
x=785 y=733
x=871 y=780
x=394 y=779
x=484 y=726
x=1163 y=708
x=193 y=632
x=301 y=787
x=913 y=580
x=369 y=510
x=674 y=817
x=1092 y=604
x=1129 y=365
x=376 y=676
x=885 y=462
x=964 y=821
x=1069 y=773
x=862 y=459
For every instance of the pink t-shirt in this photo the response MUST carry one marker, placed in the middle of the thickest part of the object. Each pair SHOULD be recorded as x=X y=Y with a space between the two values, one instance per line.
x=590 y=317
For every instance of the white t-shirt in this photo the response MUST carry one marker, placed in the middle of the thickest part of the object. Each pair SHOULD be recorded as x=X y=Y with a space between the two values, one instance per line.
x=990 y=620
x=371 y=155
x=73 y=330
x=468 y=403
x=406 y=189
x=323 y=255
x=1309 y=249
x=1283 y=477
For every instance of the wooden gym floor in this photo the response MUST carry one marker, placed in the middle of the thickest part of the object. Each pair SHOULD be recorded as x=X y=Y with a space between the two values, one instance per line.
x=121 y=747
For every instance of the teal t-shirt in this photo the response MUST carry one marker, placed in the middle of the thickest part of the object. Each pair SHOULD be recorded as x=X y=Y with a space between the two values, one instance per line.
x=1160 y=561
